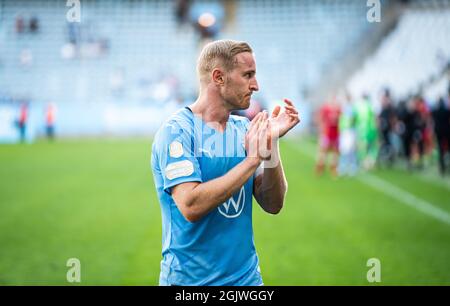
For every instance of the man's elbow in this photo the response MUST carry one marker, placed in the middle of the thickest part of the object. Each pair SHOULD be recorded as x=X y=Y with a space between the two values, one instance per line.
x=276 y=207
x=274 y=211
x=189 y=211
x=278 y=204
x=185 y=198
x=191 y=217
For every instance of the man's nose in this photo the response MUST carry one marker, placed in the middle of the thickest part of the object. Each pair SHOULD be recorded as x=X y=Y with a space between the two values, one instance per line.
x=254 y=85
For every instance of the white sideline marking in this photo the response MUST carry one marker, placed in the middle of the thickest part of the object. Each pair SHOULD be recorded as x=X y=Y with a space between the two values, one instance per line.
x=405 y=197
x=429 y=177
x=394 y=192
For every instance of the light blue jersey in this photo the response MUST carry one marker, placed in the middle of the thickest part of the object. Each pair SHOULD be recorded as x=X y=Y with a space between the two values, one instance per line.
x=218 y=249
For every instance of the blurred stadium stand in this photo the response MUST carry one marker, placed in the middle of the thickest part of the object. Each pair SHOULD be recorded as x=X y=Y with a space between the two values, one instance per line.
x=412 y=57
x=128 y=64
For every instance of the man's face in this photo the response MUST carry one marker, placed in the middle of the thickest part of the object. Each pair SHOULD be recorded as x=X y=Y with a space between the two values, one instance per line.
x=240 y=82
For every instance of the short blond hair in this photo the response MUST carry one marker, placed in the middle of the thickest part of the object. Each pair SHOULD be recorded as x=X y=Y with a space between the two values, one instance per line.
x=220 y=53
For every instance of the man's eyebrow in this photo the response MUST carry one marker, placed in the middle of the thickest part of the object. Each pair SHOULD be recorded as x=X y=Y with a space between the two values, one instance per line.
x=251 y=70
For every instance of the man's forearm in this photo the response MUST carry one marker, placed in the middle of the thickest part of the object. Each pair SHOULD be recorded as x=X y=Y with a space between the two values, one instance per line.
x=209 y=195
x=271 y=186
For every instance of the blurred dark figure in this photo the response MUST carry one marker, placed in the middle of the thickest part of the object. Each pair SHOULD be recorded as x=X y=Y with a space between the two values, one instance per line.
x=441 y=119
x=206 y=32
x=427 y=128
x=50 y=114
x=207 y=20
x=402 y=115
x=20 y=24
x=22 y=121
x=406 y=128
x=386 y=123
x=418 y=127
x=34 y=24
x=182 y=11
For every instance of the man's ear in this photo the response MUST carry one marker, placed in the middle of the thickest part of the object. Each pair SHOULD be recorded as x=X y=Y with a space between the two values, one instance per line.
x=218 y=76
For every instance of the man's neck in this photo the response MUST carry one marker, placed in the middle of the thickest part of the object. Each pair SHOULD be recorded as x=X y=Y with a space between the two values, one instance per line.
x=211 y=108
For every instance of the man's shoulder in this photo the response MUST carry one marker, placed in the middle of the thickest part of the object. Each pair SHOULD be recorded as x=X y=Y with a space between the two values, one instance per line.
x=180 y=120
x=176 y=124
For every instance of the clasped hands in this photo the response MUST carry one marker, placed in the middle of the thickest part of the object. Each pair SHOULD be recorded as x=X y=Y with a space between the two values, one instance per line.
x=264 y=132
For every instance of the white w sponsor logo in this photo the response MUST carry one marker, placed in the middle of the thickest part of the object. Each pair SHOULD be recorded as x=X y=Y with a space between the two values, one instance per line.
x=232 y=208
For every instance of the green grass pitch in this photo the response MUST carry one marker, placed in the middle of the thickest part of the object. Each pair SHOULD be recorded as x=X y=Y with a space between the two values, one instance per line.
x=95 y=200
